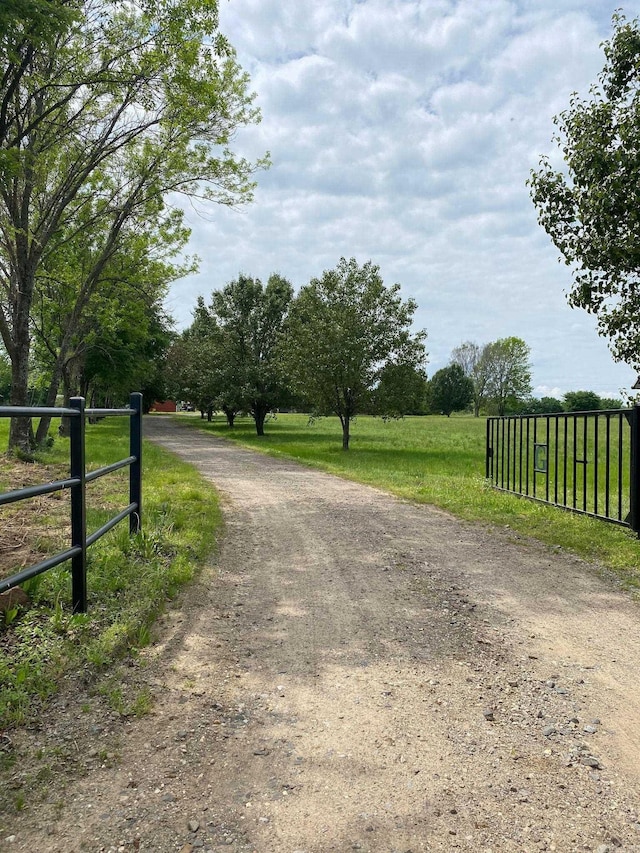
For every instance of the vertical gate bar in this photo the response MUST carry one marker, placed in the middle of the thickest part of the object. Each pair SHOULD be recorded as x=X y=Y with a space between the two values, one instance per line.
x=502 y=454
x=78 y=507
x=634 y=490
x=607 y=466
x=135 y=469
x=520 y=458
x=496 y=447
x=527 y=451
x=596 y=453
x=620 y=461
x=517 y=428
x=535 y=439
x=514 y=485
x=575 y=470
x=585 y=424
x=546 y=491
x=509 y=425
x=555 y=461
x=486 y=448
x=565 y=448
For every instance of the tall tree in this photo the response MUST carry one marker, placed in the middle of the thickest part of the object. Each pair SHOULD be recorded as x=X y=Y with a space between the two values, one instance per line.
x=250 y=317
x=472 y=359
x=450 y=390
x=128 y=103
x=401 y=391
x=509 y=371
x=591 y=209
x=343 y=330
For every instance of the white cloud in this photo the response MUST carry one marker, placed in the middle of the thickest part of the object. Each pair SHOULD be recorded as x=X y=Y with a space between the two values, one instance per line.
x=404 y=131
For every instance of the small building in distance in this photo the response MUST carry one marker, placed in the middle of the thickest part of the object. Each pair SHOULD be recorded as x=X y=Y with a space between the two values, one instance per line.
x=163 y=406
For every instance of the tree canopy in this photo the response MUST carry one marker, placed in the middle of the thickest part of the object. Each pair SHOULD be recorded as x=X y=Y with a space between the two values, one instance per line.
x=119 y=107
x=591 y=209
x=500 y=372
x=250 y=316
x=343 y=331
x=472 y=359
x=401 y=391
x=229 y=357
x=450 y=390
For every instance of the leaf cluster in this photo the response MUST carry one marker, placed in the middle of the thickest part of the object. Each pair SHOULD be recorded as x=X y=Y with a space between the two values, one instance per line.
x=591 y=209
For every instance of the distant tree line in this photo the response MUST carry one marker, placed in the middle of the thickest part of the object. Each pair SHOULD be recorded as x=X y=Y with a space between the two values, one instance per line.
x=495 y=379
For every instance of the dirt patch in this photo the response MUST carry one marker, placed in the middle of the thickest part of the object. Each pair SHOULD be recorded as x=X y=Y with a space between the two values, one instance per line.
x=353 y=673
x=30 y=529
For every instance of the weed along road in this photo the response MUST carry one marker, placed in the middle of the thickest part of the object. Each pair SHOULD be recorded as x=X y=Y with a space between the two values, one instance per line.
x=354 y=672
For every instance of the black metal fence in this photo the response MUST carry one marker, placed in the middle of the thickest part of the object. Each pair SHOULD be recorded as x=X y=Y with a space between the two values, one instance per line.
x=587 y=462
x=76 y=483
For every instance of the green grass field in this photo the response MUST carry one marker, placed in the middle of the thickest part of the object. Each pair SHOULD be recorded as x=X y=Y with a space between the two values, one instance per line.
x=440 y=461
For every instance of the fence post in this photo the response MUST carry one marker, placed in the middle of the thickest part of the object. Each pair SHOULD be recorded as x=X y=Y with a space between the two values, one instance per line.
x=135 y=469
x=634 y=485
x=78 y=508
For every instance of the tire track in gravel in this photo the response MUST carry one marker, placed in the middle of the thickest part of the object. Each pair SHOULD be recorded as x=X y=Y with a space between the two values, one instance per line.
x=359 y=673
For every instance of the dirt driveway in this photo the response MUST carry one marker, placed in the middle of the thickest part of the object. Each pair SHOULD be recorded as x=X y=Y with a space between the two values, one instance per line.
x=358 y=673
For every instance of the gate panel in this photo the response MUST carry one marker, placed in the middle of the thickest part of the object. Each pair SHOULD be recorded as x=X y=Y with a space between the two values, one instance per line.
x=581 y=461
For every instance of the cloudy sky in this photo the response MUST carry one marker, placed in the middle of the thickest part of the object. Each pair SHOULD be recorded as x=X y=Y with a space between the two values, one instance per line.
x=403 y=132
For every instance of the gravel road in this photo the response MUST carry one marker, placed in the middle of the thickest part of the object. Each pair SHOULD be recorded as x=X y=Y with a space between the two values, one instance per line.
x=354 y=672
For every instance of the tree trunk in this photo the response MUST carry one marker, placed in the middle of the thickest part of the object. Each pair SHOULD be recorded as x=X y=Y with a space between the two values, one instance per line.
x=20 y=429
x=210 y=414
x=50 y=400
x=68 y=392
x=346 y=422
x=230 y=416
x=259 y=412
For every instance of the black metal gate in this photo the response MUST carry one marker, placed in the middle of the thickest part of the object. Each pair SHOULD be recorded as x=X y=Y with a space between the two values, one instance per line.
x=587 y=462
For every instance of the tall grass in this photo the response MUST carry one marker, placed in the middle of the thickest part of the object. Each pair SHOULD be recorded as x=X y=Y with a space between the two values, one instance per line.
x=439 y=461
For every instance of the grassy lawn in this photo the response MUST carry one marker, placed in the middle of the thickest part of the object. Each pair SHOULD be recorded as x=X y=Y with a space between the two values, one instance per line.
x=129 y=579
x=440 y=461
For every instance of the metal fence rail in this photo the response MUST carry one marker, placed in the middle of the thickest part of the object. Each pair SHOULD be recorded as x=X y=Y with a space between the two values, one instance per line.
x=76 y=483
x=587 y=462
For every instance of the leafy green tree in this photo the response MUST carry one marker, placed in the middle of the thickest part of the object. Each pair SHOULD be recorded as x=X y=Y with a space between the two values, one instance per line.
x=551 y=405
x=343 y=330
x=196 y=369
x=230 y=353
x=127 y=104
x=581 y=401
x=610 y=403
x=450 y=390
x=401 y=391
x=591 y=209
x=509 y=371
x=98 y=344
x=472 y=359
x=251 y=317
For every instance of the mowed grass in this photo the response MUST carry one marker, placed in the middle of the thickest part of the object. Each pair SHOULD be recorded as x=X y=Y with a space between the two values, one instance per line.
x=129 y=579
x=439 y=461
